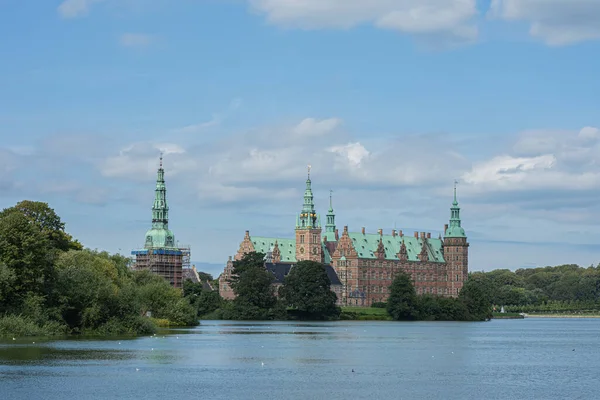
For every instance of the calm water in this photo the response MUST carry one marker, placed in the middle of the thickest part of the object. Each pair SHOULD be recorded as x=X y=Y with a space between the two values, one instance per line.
x=505 y=359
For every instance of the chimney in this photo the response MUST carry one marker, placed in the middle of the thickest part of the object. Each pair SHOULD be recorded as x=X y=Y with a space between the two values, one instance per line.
x=380 y=231
x=363 y=230
x=416 y=235
x=423 y=235
x=324 y=238
x=445 y=228
x=428 y=235
x=247 y=235
x=229 y=258
x=346 y=229
x=401 y=233
x=393 y=233
x=337 y=235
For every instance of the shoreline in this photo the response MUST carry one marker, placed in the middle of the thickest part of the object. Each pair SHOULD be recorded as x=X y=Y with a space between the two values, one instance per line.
x=561 y=316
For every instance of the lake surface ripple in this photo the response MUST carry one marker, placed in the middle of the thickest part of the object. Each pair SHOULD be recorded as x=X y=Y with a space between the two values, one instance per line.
x=501 y=359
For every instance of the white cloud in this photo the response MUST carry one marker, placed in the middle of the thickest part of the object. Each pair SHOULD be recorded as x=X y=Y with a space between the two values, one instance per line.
x=76 y=8
x=314 y=127
x=136 y=40
x=452 y=18
x=351 y=154
x=556 y=22
x=139 y=161
x=554 y=161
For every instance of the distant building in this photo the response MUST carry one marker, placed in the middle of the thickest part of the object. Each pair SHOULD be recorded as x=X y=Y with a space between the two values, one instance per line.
x=160 y=254
x=365 y=264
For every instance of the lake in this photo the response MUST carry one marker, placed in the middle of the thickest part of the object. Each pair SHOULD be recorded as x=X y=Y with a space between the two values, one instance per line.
x=503 y=359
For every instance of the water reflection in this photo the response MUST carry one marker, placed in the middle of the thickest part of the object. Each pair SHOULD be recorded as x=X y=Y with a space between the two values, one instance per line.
x=272 y=360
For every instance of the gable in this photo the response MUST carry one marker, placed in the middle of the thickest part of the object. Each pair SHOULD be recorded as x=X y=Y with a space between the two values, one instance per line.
x=287 y=247
x=366 y=246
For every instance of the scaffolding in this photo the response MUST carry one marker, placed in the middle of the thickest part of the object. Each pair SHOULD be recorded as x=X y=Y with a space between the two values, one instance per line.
x=186 y=253
x=167 y=263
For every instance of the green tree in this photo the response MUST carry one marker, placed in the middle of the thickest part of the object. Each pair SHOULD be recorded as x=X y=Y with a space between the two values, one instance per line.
x=205 y=301
x=49 y=223
x=402 y=302
x=26 y=251
x=476 y=300
x=253 y=287
x=307 y=289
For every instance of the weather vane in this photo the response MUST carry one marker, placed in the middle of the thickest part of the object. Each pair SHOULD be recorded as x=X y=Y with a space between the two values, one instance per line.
x=161 y=156
x=309 y=170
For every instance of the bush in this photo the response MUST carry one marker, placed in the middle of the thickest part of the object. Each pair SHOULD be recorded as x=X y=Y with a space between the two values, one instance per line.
x=17 y=325
x=379 y=304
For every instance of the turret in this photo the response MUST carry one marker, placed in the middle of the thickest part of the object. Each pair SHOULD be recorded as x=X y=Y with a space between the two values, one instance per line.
x=308 y=228
x=455 y=250
x=330 y=226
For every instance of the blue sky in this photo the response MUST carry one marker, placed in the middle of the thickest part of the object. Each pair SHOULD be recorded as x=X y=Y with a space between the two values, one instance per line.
x=389 y=100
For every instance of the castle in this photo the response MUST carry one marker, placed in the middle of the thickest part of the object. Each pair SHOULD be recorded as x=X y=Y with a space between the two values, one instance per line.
x=364 y=264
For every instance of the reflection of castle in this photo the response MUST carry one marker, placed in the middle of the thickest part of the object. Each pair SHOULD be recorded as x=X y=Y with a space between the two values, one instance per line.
x=160 y=254
x=366 y=263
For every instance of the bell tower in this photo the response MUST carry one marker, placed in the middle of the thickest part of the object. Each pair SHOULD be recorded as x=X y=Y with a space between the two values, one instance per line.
x=308 y=228
x=456 y=250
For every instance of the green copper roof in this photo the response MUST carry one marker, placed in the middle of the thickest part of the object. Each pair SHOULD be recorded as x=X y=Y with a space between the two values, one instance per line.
x=287 y=248
x=330 y=226
x=454 y=227
x=160 y=236
x=308 y=217
x=366 y=246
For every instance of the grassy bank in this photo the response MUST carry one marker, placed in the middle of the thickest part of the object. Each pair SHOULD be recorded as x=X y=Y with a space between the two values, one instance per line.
x=507 y=316
x=364 y=314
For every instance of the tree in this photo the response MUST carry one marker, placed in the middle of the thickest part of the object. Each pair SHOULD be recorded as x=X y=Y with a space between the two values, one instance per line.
x=477 y=301
x=307 y=289
x=26 y=251
x=205 y=301
x=49 y=223
x=253 y=287
x=402 y=302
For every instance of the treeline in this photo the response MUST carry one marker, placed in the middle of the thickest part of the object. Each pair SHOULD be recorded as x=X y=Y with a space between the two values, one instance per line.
x=472 y=304
x=50 y=285
x=306 y=295
x=561 y=288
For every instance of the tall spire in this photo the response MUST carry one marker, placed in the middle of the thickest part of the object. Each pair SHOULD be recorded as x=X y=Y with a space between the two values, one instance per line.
x=454 y=228
x=330 y=226
x=308 y=217
x=160 y=209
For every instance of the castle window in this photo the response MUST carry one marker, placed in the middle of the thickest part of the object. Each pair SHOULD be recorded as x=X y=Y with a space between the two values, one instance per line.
x=301 y=238
x=315 y=239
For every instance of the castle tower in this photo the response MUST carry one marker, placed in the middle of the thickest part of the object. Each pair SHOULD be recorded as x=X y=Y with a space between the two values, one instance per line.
x=160 y=236
x=160 y=255
x=308 y=228
x=456 y=250
x=330 y=226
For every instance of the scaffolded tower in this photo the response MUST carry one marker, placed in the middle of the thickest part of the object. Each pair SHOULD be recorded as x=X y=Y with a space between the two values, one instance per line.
x=160 y=254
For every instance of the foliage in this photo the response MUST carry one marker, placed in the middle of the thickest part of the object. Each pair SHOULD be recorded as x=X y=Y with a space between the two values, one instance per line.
x=252 y=284
x=402 y=302
x=379 y=304
x=539 y=289
x=204 y=301
x=364 y=314
x=307 y=290
x=472 y=304
x=49 y=285
x=18 y=325
x=47 y=221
